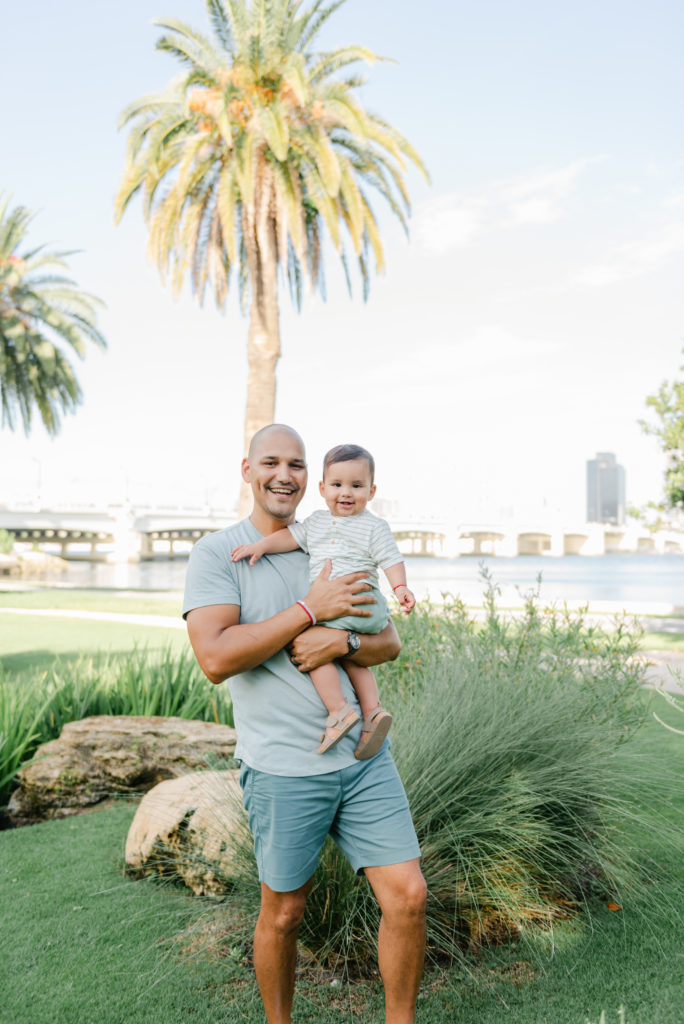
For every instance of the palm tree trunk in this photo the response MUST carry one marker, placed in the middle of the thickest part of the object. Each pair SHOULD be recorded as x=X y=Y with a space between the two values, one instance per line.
x=263 y=339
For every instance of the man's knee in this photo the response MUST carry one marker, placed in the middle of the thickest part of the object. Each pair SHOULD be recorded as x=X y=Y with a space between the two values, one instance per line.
x=414 y=894
x=283 y=911
x=400 y=889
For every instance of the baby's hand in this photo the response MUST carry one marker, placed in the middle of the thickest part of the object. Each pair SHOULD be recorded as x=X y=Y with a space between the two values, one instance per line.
x=250 y=551
x=406 y=599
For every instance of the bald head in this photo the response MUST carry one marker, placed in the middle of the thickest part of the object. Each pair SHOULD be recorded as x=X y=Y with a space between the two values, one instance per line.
x=275 y=469
x=270 y=433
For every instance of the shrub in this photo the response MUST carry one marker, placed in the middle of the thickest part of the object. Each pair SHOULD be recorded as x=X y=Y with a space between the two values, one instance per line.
x=33 y=711
x=510 y=738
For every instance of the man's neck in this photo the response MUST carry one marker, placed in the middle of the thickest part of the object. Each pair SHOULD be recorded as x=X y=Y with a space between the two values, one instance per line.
x=266 y=524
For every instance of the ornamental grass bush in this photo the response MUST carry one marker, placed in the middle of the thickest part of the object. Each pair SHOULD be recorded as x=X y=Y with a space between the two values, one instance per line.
x=512 y=739
x=34 y=710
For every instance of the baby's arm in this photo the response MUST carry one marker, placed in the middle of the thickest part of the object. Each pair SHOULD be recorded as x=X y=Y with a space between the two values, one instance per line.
x=396 y=574
x=276 y=543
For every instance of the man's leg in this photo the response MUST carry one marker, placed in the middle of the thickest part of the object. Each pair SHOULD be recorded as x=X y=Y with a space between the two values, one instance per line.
x=401 y=892
x=275 y=949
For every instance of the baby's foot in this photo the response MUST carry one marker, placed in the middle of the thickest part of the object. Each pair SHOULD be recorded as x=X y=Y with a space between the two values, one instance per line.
x=376 y=726
x=337 y=725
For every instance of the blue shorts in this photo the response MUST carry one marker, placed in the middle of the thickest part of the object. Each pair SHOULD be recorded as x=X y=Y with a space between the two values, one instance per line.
x=363 y=807
x=374 y=623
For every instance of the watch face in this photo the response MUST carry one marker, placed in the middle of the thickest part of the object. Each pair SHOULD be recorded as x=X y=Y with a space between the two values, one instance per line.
x=353 y=641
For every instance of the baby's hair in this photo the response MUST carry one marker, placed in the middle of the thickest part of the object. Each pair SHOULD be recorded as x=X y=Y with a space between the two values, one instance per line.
x=346 y=453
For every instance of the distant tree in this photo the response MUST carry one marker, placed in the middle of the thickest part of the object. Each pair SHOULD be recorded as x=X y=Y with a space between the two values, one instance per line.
x=257 y=150
x=668 y=405
x=44 y=319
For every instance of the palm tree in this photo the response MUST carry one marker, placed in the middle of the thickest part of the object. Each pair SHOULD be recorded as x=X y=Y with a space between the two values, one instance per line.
x=42 y=318
x=256 y=151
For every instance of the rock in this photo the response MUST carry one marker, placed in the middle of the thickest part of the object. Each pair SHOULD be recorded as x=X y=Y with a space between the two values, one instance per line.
x=186 y=828
x=9 y=565
x=100 y=756
x=34 y=563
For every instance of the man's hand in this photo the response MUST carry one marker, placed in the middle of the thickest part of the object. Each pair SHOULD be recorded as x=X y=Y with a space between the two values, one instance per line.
x=320 y=645
x=317 y=646
x=330 y=599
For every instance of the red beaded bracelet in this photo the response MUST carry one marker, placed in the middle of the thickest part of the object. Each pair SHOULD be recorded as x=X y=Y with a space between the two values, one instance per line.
x=398 y=585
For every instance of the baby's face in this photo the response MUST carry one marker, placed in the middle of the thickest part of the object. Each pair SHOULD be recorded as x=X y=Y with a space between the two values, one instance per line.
x=347 y=487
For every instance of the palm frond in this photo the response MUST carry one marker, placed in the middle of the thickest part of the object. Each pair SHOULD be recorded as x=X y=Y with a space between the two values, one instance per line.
x=43 y=316
x=187 y=44
x=220 y=24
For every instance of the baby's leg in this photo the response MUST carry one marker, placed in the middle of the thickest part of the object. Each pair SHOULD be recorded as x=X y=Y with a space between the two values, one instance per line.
x=366 y=689
x=326 y=680
x=365 y=686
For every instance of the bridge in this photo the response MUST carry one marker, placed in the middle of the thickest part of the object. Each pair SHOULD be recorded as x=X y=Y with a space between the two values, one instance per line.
x=118 y=534
x=121 y=534
x=555 y=540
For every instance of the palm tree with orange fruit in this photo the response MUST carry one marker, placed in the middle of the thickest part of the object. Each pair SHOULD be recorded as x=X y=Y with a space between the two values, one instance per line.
x=251 y=156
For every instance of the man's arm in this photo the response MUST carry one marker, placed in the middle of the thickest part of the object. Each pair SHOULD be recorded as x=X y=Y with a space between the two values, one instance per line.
x=225 y=647
x=320 y=645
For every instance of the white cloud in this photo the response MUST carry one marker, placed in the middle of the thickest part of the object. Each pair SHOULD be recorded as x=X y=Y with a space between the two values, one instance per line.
x=538 y=199
x=452 y=221
x=635 y=258
x=449 y=222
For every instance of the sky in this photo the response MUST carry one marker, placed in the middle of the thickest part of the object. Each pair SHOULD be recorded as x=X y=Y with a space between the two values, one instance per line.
x=515 y=333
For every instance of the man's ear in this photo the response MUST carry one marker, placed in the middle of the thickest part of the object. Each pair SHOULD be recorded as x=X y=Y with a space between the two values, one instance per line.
x=245 y=470
x=372 y=492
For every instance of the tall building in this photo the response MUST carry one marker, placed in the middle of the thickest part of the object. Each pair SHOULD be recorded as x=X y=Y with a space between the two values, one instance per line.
x=605 y=490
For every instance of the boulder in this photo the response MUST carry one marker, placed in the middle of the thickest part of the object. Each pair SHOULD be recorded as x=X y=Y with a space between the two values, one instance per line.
x=35 y=563
x=9 y=565
x=101 y=756
x=193 y=828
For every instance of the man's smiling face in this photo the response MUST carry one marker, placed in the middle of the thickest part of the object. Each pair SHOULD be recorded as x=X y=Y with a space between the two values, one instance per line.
x=276 y=471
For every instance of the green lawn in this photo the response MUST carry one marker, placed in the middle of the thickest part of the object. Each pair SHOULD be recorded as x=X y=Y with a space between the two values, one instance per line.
x=31 y=642
x=126 y=601
x=663 y=642
x=83 y=944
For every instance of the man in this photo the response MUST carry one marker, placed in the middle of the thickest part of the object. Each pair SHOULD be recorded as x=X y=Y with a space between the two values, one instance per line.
x=253 y=624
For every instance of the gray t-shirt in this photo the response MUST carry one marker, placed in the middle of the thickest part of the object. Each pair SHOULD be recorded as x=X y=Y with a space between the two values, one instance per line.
x=279 y=717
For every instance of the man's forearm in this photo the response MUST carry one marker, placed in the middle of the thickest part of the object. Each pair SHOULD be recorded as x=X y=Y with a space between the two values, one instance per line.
x=377 y=648
x=322 y=644
x=225 y=649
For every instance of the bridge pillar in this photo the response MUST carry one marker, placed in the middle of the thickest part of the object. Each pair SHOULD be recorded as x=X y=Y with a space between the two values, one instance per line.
x=146 y=546
x=126 y=539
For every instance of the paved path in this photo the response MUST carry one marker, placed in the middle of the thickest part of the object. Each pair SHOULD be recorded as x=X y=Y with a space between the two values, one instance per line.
x=167 y=621
x=666 y=669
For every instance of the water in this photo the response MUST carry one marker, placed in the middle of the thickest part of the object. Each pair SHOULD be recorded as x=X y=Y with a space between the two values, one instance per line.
x=629 y=579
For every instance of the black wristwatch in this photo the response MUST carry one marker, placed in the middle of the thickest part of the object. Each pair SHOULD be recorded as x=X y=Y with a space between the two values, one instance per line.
x=353 y=641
